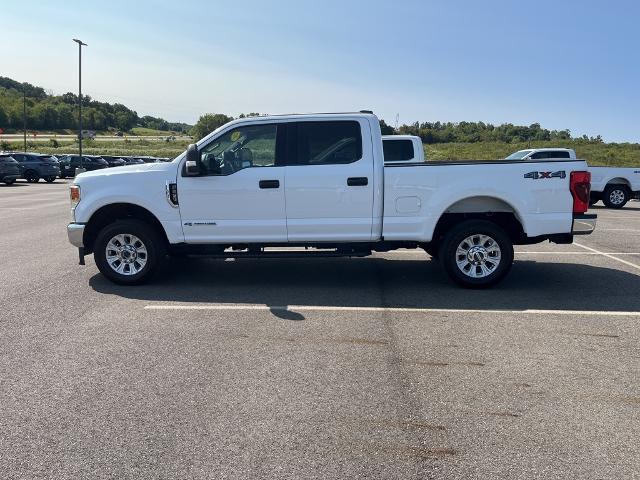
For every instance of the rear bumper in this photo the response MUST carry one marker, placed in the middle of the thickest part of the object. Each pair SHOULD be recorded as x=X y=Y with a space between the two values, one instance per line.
x=583 y=224
x=75 y=232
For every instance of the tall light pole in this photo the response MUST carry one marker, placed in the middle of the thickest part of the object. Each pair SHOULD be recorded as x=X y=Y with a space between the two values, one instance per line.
x=80 y=45
x=24 y=116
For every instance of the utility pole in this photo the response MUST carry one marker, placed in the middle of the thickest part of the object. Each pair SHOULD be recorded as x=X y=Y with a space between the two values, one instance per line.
x=24 y=117
x=80 y=44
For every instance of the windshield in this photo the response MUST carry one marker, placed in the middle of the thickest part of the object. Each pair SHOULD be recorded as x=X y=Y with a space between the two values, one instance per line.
x=519 y=155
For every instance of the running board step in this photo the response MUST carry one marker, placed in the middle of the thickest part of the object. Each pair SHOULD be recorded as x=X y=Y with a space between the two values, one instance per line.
x=282 y=254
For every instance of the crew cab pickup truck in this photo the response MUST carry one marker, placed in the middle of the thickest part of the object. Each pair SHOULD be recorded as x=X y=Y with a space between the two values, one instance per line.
x=319 y=181
x=615 y=186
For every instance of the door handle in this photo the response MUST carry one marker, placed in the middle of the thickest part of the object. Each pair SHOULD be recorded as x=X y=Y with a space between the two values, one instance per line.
x=357 y=181
x=269 y=183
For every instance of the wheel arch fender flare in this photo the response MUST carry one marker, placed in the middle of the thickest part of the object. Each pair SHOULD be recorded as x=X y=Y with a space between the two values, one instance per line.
x=473 y=206
x=112 y=212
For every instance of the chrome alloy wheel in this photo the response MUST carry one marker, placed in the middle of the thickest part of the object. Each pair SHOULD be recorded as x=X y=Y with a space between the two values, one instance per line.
x=616 y=197
x=478 y=256
x=126 y=254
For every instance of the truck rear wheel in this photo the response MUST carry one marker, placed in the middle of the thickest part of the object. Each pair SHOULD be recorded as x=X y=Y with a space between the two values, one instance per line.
x=128 y=252
x=615 y=196
x=476 y=254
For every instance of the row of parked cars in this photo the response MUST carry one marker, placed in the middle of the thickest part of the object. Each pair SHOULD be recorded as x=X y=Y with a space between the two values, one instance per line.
x=35 y=166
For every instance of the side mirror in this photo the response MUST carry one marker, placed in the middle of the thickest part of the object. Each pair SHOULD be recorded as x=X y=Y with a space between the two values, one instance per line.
x=192 y=165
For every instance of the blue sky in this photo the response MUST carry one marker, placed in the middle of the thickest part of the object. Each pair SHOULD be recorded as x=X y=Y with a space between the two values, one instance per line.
x=564 y=64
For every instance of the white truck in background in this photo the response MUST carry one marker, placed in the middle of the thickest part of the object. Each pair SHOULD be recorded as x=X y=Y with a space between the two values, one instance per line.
x=615 y=186
x=402 y=148
x=320 y=181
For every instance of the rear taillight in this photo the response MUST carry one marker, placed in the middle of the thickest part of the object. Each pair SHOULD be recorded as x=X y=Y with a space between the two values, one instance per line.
x=580 y=186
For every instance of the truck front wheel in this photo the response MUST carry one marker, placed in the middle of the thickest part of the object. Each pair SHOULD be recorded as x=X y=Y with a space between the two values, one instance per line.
x=476 y=254
x=128 y=252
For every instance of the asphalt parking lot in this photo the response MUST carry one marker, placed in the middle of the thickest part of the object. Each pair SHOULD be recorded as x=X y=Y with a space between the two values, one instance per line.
x=323 y=368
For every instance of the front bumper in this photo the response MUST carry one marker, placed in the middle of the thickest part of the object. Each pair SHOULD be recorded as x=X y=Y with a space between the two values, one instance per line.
x=583 y=224
x=75 y=232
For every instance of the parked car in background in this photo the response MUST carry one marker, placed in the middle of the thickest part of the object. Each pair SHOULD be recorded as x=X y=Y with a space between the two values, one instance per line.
x=147 y=159
x=88 y=134
x=114 y=161
x=543 y=154
x=9 y=169
x=615 y=186
x=69 y=163
x=132 y=160
x=34 y=166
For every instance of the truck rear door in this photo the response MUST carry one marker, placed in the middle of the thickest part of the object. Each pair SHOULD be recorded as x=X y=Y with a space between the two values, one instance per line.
x=329 y=187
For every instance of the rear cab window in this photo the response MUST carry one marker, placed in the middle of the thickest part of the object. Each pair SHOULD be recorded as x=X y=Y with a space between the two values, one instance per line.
x=398 y=150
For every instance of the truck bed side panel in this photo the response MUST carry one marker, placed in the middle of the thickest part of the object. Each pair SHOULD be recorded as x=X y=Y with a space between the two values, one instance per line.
x=537 y=192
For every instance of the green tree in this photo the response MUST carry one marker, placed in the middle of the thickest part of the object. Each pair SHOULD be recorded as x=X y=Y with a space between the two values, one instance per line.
x=4 y=120
x=386 y=129
x=208 y=123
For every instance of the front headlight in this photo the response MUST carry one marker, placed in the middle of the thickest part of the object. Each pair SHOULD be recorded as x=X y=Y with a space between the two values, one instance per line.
x=74 y=195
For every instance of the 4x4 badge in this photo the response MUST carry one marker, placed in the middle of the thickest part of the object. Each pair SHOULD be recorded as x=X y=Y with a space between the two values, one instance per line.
x=540 y=175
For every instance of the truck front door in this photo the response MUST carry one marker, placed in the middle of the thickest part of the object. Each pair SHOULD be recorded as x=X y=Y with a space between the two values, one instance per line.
x=239 y=197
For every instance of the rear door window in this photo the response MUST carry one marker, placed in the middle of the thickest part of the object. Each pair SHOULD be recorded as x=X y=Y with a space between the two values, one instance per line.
x=326 y=143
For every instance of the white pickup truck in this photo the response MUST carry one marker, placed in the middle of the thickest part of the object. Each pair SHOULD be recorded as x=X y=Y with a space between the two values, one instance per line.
x=319 y=182
x=615 y=186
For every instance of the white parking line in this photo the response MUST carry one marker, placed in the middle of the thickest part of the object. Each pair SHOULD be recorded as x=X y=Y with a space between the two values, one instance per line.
x=608 y=255
x=326 y=308
x=578 y=253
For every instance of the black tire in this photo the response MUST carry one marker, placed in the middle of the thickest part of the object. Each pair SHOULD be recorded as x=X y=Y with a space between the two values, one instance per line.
x=9 y=182
x=615 y=196
x=152 y=241
x=49 y=179
x=32 y=176
x=484 y=252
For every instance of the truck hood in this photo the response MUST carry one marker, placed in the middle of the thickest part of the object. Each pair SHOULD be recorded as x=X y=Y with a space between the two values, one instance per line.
x=140 y=169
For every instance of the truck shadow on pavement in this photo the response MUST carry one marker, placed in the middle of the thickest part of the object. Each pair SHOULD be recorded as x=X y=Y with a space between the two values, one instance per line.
x=380 y=282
